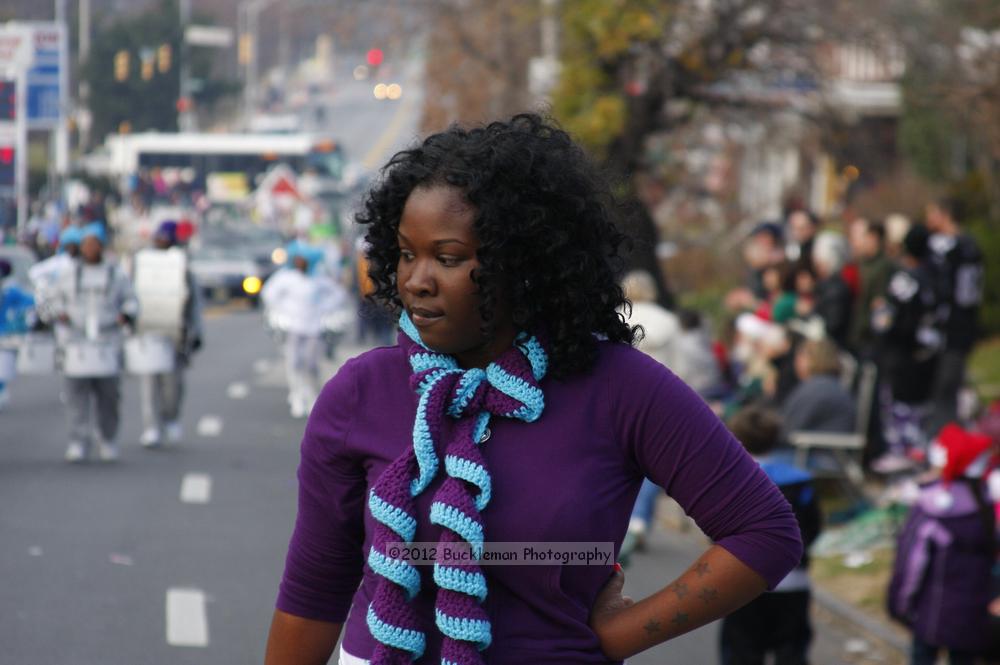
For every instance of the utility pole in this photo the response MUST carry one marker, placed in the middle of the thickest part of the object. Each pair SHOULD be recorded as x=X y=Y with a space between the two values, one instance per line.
x=185 y=117
x=249 y=42
x=60 y=135
x=83 y=119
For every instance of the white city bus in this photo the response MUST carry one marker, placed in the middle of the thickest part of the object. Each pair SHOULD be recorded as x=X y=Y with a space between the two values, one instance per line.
x=252 y=154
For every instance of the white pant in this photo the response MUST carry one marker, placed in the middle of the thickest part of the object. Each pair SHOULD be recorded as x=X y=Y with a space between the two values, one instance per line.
x=302 y=369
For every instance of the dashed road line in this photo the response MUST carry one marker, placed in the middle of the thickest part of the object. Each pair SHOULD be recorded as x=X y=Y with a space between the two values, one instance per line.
x=196 y=488
x=187 y=622
x=209 y=426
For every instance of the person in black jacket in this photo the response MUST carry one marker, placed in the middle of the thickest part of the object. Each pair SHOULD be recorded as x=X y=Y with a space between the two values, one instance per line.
x=957 y=263
x=904 y=319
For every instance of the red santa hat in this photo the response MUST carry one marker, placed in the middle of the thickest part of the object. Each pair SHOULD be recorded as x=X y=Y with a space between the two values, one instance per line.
x=959 y=452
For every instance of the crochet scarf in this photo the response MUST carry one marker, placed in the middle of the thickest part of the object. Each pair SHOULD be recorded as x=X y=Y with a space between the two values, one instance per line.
x=509 y=388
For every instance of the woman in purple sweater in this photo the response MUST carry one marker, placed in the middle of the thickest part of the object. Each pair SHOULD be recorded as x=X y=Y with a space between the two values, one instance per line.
x=512 y=410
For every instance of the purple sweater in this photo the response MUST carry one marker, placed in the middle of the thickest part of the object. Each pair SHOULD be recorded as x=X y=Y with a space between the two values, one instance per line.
x=571 y=476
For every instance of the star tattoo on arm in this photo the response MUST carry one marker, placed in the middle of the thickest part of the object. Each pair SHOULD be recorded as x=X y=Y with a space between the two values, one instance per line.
x=652 y=627
x=702 y=569
x=707 y=595
x=680 y=619
x=681 y=589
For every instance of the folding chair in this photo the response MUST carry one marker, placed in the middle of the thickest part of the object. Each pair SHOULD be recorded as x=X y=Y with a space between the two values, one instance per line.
x=845 y=449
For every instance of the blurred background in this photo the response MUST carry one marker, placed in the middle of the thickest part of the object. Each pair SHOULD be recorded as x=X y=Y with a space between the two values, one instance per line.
x=252 y=123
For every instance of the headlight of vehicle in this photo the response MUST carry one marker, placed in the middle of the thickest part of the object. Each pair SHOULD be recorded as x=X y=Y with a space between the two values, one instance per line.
x=251 y=285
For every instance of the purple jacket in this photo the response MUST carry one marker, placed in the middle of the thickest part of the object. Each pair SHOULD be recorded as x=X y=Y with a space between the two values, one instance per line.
x=571 y=476
x=940 y=584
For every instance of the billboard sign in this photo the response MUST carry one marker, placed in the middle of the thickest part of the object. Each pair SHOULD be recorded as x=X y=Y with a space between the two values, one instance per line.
x=45 y=80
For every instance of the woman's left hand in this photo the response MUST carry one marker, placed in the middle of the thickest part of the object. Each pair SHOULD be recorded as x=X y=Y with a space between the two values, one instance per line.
x=609 y=604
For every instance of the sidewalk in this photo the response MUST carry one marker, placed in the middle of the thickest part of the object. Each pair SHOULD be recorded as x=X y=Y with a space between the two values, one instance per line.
x=843 y=635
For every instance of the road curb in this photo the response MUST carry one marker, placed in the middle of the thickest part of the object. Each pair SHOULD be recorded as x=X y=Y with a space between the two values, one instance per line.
x=878 y=629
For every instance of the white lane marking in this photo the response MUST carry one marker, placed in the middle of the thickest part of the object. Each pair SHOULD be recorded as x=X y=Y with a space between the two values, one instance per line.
x=209 y=426
x=187 y=623
x=196 y=488
x=35 y=550
x=261 y=365
x=237 y=390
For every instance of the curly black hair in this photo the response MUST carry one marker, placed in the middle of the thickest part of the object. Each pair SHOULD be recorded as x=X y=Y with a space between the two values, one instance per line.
x=545 y=221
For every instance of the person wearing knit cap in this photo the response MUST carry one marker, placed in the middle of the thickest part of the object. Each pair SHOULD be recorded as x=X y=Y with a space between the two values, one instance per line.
x=174 y=311
x=297 y=299
x=940 y=583
x=93 y=302
x=165 y=236
x=513 y=409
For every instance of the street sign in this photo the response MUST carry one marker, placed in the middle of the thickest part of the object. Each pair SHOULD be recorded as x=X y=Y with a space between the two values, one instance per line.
x=45 y=81
x=15 y=51
x=8 y=99
x=34 y=57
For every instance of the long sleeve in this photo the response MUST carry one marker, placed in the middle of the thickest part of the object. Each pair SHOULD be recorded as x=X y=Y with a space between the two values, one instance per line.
x=325 y=560
x=675 y=440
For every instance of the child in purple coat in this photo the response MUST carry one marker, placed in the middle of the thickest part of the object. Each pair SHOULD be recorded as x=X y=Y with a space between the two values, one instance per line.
x=940 y=586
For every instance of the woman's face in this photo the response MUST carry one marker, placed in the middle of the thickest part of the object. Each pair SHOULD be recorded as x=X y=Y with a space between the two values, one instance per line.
x=437 y=257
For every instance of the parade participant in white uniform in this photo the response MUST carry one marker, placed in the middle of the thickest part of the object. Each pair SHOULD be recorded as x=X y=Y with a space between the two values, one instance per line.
x=297 y=297
x=93 y=302
x=170 y=303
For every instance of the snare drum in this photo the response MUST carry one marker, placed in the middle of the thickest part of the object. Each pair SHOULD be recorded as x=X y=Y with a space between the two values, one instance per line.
x=86 y=358
x=149 y=354
x=37 y=355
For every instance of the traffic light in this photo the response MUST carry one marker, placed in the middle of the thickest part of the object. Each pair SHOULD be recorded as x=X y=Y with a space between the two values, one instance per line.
x=375 y=57
x=7 y=165
x=8 y=100
x=121 y=65
x=163 y=58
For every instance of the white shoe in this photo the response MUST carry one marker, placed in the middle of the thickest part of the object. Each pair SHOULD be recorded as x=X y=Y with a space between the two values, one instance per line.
x=150 y=438
x=107 y=452
x=75 y=452
x=174 y=430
